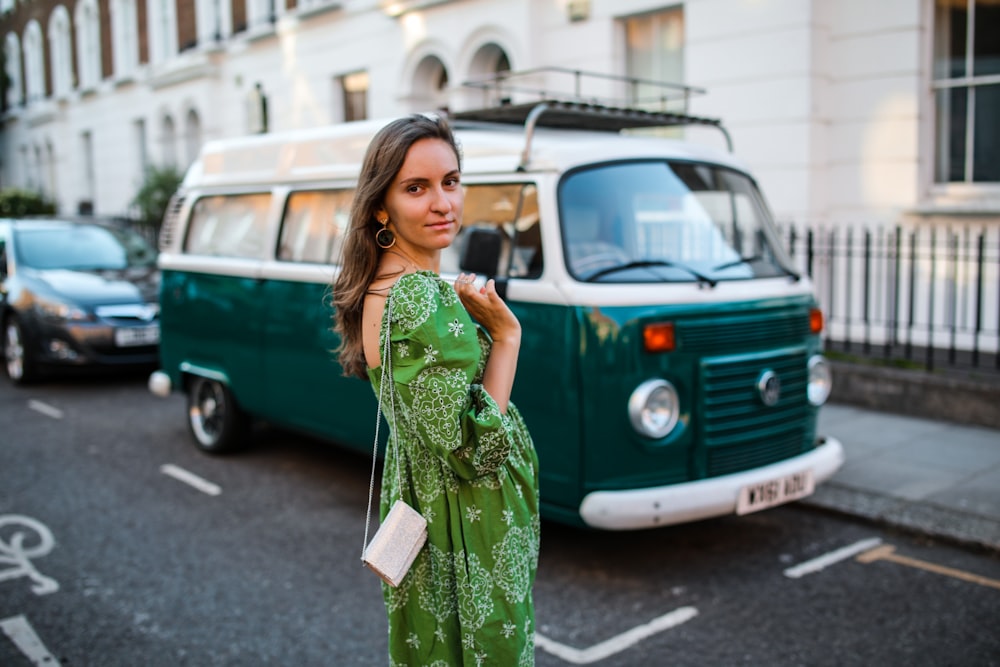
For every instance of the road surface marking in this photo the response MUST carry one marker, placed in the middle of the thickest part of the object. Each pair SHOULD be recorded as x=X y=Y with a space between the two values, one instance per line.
x=828 y=559
x=618 y=643
x=887 y=553
x=45 y=409
x=24 y=637
x=189 y=478
x=17 y=555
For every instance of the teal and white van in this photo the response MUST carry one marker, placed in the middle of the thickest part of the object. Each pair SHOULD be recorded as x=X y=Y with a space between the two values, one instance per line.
x=671 y=365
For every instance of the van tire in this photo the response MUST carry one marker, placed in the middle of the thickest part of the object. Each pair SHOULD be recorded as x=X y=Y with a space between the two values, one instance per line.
x=215 y=420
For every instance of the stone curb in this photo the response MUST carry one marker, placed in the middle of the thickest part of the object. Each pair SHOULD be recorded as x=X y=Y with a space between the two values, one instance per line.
x=941 y=523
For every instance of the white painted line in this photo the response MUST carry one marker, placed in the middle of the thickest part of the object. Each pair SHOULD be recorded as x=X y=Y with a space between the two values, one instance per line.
x=189 y=478
x=24 y=637
x=828 y=559
x=618 y=643
x=45 y=409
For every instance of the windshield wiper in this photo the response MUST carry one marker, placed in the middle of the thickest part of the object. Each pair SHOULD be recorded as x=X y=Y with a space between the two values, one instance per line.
x=750 y=259
x=645 y=263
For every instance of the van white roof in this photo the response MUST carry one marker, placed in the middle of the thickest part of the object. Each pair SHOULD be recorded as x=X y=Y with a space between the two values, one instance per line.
x=335 y=152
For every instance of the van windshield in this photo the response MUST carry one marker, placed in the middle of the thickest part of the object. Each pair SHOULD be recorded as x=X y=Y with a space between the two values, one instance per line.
x=666 y=221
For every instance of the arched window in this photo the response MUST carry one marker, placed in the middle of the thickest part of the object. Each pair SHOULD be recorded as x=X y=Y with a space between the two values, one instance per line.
x=162 y=29
x=168 y=141
x=88 y=44
x=124 y=35
x=488 y=60
x=430 y=85
x=192 y=135
x=12 y=53
x=34 y=62
x=60 y=52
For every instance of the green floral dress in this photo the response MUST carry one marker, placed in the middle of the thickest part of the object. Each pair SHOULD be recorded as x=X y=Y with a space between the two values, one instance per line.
x=472 y=472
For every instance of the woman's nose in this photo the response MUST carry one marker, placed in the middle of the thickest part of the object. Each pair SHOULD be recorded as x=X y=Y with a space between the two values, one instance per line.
x=442 y=201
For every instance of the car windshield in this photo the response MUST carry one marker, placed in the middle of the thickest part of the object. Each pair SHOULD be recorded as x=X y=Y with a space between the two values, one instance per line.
x=666 y=221
x=83 y=247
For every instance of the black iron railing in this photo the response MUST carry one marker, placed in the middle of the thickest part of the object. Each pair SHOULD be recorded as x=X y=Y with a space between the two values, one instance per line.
x=917 y=296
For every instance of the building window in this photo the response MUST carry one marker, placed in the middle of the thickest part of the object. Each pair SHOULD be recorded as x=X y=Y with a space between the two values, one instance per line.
x=62 y=56
x=34 y=62
x=89 y=177
x=654 y=51
x=12 y=53
x=88 y=44
x=125 y=31
x=142 y=144
x=967 y=91
x=354 y=93
x=168 y=141
x=192 y=136
x=162 y=21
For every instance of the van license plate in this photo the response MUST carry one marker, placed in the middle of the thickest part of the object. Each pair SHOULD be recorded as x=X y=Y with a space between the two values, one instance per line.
x=132 y=336
x=754 y=497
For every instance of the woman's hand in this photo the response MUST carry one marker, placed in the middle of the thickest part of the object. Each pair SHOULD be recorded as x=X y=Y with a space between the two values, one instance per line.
x=487 y=308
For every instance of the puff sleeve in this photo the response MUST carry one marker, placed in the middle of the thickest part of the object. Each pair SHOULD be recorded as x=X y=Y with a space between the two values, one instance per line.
x=437 y=357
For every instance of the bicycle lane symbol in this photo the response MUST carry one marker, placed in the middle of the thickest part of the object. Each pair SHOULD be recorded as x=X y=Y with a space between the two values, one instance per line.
x=17 y=550
x=21 y=539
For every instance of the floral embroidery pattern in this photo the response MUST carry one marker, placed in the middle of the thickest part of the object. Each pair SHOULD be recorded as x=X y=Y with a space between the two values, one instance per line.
x=469 y=591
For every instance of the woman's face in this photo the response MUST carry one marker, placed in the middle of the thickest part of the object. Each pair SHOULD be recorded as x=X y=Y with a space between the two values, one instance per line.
x=424 y=201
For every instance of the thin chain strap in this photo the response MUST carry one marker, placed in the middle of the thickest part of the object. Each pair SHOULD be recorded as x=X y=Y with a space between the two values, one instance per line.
x=386 y=359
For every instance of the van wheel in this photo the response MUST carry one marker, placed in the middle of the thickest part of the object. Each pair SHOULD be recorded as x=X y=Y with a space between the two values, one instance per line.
x=214 y=418
x=18 y=362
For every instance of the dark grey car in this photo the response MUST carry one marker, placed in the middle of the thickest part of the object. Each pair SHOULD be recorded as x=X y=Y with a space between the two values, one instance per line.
x=76 y=293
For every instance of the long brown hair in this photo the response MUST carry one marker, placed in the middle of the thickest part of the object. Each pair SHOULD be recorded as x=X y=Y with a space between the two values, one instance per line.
x=383 y=160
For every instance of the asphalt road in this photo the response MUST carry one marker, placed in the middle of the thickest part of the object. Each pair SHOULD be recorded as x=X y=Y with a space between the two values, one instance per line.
x=254 y=561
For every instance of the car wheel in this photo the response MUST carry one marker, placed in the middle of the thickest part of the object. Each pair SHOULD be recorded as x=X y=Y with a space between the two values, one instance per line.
x=215 y=420
x=18 y=362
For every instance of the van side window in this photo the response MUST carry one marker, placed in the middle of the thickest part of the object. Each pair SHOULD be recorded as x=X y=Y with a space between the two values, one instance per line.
x=511 y=208
x=314 y=225
x=228 y=225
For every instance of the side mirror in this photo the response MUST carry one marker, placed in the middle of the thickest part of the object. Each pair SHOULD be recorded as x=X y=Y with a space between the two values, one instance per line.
x=481 y=254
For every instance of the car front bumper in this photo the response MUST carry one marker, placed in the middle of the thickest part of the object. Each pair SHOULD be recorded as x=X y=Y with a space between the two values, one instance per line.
x=702 y=499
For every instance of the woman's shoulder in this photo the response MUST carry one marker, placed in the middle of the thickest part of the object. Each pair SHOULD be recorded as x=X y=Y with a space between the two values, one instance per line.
x=418 y=296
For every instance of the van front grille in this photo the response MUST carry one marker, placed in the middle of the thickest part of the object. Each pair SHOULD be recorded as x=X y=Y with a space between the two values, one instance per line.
x=740 y=432
x=788 y=327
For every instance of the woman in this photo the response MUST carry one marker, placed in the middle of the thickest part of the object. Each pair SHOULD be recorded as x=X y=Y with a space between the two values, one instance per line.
x=466 y=459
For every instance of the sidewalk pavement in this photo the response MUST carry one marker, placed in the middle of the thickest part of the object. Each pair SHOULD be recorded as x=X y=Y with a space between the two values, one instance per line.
x=934 y=478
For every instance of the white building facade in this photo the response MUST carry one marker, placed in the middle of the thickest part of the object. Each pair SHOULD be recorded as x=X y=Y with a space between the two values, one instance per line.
x=846 y=110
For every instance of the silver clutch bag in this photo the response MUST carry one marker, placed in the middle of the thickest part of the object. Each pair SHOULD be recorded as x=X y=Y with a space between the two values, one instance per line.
x=396 y=543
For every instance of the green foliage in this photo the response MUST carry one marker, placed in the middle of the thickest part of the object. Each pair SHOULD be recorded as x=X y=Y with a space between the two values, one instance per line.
x=150 y=202
x=16 y=202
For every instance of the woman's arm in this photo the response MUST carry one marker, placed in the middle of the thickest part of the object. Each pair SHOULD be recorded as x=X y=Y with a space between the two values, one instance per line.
x=487 y=308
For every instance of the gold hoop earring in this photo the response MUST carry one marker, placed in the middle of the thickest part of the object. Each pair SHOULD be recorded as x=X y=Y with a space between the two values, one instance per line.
x=384 y=238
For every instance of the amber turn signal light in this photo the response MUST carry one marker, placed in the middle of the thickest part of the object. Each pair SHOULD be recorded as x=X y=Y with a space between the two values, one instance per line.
x=659 y=337
x=815 y=320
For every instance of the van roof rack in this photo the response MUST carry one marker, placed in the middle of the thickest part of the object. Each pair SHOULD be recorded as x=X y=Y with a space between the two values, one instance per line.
x=619 y=105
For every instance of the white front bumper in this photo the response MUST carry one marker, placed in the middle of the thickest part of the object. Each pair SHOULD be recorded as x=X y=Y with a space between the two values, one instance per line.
x=692 y=501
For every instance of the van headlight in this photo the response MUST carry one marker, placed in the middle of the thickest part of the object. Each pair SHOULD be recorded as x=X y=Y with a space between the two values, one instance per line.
x=820 y=380
x=653 y=408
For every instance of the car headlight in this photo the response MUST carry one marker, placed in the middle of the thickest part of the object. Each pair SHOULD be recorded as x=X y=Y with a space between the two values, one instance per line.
x=820 y=380
x=60 y=310
x=653 y=408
